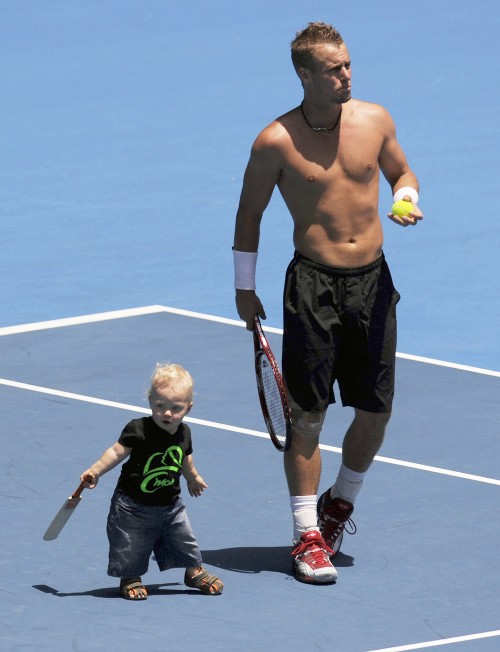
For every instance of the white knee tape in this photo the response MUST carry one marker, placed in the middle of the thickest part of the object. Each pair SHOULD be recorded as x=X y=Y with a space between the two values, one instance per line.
x=307 y=424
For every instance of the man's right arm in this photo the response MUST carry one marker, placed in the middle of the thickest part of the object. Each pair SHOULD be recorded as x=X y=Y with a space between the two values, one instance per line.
x=261 y=176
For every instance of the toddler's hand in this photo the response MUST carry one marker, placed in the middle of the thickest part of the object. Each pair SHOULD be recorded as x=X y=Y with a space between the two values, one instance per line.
x=196 y=486
x=89 y=479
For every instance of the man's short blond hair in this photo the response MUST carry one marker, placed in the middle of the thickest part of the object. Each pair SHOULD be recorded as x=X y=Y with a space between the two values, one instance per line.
x=169 y=374
x=306 y=40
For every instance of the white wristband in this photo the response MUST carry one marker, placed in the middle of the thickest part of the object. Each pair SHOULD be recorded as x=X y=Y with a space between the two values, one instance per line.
x=245 y=263
x=407 y=190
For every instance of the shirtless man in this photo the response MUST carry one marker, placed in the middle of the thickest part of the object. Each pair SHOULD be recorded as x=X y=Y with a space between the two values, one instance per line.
x=339 y=303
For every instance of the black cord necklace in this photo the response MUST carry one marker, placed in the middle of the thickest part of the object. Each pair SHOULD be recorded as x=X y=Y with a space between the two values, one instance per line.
x=319 y=128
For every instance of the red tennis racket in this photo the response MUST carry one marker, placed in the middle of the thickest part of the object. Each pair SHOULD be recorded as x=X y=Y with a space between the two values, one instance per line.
x=271 y=389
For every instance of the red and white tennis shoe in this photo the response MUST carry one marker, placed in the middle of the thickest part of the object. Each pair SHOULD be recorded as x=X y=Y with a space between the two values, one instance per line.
x=333 y=517
x=311 y=560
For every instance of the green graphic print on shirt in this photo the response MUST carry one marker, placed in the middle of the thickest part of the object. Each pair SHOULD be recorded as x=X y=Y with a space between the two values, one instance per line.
x=163 y=472
x=152 y=473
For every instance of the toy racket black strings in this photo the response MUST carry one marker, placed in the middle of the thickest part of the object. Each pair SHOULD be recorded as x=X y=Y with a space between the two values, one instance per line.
x=271 y=390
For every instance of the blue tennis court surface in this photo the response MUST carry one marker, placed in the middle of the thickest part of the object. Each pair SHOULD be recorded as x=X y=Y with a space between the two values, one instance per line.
x=126 y=129
x=419 y=568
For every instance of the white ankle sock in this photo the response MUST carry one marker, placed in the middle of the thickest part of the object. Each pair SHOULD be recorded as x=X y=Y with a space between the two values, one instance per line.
x=347 y=485
x=304 y=514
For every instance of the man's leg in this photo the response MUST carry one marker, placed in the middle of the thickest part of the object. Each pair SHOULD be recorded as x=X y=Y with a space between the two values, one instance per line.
x=364 y=439
x=303 y=469
x=302 y=461
x=303 y=465
x=361 y=443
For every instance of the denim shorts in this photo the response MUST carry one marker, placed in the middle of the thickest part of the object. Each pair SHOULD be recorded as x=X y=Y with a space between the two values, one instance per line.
x=135 y=531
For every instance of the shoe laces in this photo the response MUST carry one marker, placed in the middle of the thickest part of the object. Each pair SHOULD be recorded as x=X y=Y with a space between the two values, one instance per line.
x=334 y=521
x=317 y=551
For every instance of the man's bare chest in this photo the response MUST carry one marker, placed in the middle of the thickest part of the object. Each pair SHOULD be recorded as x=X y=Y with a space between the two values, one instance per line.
x=321 y=161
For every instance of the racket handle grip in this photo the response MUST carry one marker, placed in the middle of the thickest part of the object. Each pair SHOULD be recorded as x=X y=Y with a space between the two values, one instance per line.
x=81 y=487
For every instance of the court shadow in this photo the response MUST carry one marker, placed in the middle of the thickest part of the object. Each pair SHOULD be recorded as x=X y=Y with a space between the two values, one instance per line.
x=113 y=592
x=256 y=560
x=275 y=559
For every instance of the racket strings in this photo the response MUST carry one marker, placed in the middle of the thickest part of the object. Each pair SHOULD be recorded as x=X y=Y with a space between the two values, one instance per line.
x=273 y=399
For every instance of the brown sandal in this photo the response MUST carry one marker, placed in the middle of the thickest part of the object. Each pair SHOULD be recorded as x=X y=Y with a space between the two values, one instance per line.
x=206 y=583
x=133 y=589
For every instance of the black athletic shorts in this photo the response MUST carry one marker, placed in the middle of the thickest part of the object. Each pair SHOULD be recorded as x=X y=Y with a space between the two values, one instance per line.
x=339 y=325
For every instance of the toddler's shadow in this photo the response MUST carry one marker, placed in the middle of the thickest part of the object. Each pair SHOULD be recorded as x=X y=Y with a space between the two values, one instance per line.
x=113 y=592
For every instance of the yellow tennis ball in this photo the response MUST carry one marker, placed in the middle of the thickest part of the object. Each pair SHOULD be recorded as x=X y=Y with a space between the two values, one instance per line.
x=402 y=208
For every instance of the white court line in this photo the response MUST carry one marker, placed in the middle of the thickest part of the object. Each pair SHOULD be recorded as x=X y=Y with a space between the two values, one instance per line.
x=124 y=406
x=83 y=319
x=244 y=431
x=445 y=641
x=424 y=467
x=450 y=365
x=148 y=310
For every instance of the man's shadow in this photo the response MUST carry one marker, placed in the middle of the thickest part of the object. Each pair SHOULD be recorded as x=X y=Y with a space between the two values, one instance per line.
x=258 y=559
x=253 y=560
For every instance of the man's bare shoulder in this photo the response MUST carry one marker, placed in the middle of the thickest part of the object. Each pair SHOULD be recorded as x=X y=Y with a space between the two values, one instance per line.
x=361 y=110
x=277 y=134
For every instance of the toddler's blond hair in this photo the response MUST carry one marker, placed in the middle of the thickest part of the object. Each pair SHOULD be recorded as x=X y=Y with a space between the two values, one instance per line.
x=168 y=374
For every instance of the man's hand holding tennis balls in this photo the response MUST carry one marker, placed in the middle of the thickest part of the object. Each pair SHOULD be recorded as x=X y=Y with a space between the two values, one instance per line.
x=405 y=213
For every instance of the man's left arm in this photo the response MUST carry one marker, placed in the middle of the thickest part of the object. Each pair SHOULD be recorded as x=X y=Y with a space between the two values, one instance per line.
x=402 y=179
